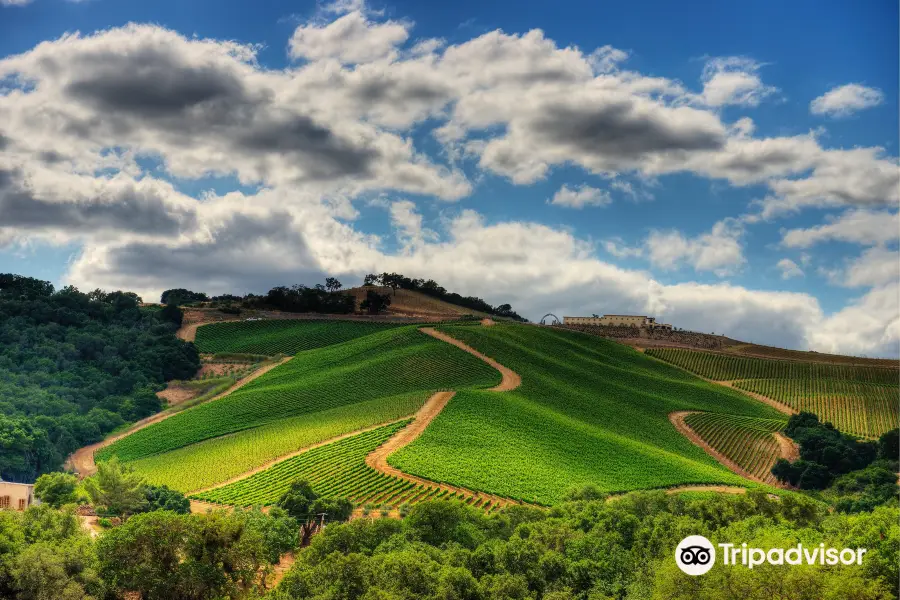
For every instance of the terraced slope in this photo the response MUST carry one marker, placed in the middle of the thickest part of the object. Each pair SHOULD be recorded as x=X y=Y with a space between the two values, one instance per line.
x=747 y=441
x=220 y=459
x=393 y=362
x=589 y=411
x=282 y=336
x=336 y=469
x=858 y=399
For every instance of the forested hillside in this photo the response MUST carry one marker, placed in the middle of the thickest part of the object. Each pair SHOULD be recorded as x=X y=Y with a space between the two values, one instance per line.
x=74 y=366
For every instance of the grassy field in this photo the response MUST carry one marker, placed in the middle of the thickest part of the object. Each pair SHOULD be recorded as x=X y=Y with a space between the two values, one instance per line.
x=393 y=362
x=336 y=469
x=589 y=411
x=747 y=441
x=282 y=336
x=858 y=399
x=213 y=461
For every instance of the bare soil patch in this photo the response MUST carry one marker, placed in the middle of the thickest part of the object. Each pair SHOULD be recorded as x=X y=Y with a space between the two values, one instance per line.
x=788 y=447
x=174 y=395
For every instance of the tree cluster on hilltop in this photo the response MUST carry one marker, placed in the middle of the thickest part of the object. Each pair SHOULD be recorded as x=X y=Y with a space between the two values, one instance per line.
x=296 y=298
x=74 y=366
x=431 y=288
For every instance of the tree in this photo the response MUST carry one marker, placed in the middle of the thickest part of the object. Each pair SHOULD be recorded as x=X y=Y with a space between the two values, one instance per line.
x=332 y=284
x=371 y=279
x=375 y=302
x=161 y=497
x=56 y=489
x=116 y=488
x=298 y=499
x=889 y=445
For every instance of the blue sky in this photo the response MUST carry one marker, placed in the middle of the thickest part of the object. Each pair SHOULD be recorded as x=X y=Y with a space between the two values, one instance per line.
x=728 y=167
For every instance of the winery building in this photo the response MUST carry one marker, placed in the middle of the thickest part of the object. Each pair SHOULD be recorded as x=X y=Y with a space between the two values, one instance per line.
x=16 y=496
x=641 y=321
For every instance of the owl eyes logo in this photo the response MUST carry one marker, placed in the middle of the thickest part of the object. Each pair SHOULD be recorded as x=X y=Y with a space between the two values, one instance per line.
x=695 y=555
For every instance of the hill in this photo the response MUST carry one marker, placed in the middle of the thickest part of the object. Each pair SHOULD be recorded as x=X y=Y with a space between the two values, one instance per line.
x=589 y=411
x=409 y=303
x=320 y=393
x=860 y=399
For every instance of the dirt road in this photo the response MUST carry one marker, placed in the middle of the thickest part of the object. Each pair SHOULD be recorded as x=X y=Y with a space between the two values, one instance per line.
x=82 y=460
x=787 y=448
x=511 y=380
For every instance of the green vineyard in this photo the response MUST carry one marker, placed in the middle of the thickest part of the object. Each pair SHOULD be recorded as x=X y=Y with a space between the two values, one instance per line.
x=213 y=461
x=861 y=400
x=589 y=411
x=336 y=469
x=389 y=363
x=748 y=442
x=282 y=336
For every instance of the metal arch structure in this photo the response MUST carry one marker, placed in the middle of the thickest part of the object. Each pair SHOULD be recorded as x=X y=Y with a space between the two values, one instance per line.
x=555 y=321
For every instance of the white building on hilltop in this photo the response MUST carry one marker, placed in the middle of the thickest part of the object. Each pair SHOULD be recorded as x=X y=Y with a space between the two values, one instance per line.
x=641 y=321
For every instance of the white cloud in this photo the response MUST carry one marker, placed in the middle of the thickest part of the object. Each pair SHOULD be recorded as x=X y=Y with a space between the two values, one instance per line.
x=789 y=268
x=408 y=223
x=351 y=39
x=580 y=196
x=875 y=267
x=719 y=251
x=845 y=100
x=618 y=249
x=866 y=227
x=15 y=2
x=325 y=133
x=869 y=326
x=733 y=80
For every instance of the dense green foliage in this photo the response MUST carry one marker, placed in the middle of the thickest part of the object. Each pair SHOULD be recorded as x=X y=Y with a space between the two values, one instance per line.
x=589 y=550
x=746 y=441
x=179 y=296
x=75 y=366
x=589 y=411
x=395 y=361
x=213 y=461
x=858 y=399
x=431 y=288
x=56 y=489
x=826 y=453
x=279 y=336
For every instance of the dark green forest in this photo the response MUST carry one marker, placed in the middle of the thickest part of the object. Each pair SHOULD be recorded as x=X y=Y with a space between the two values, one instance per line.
x=74 y=366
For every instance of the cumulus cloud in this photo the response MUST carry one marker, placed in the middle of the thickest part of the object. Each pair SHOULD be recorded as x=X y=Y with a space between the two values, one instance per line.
x=719 y=251
x=81 y=115
x=580 y=196
x=845 y=100
x=789 y=268
x=351 y=39
x=733 y=80
x=875 y=267
x=867 y=227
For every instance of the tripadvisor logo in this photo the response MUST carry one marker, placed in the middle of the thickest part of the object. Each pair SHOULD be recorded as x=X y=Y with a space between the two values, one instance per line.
x=696 y=555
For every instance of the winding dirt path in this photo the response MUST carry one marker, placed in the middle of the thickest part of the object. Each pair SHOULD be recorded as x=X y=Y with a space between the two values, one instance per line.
x=377 y=459
x=511 y=380
x=283 y=458
x=677 y=419
x=82 y=460
x=780 y=407
x=787 y=448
